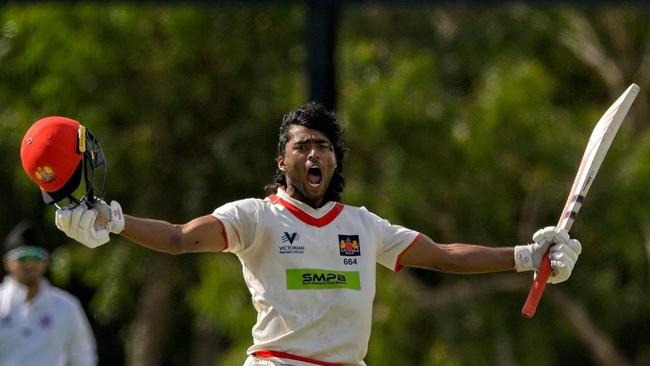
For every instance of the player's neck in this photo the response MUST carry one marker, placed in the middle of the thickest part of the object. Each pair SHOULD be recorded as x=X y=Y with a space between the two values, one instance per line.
x=316 y=203
x=31 y=288
x=32 y=291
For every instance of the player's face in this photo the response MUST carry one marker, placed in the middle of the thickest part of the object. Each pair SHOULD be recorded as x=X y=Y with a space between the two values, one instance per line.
x=309 y=163
x=27 y=271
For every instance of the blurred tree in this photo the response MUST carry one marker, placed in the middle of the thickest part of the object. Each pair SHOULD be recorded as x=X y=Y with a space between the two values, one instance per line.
x=478 y=141
x=184 y=100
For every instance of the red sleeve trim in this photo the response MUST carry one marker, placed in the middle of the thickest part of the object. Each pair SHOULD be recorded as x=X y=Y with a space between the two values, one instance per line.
x=398 y=266
x=266 y=354
x=223 y=232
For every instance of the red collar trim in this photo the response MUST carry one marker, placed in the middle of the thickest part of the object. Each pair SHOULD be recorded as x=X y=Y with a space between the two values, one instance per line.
x=305 y=217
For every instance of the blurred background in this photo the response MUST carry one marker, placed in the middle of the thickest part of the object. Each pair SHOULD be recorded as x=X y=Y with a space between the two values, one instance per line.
x=464 y=122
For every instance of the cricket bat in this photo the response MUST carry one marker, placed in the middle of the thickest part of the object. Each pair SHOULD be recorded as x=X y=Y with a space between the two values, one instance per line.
x=597 y=147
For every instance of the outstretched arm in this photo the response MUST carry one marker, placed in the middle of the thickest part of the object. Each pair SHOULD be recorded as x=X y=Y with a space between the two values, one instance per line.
x=470 y=258
x=92 y=226
x=457 y=258
x=202 y=234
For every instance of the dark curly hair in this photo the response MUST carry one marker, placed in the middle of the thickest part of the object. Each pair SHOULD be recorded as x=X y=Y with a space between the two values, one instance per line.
x=316 y=117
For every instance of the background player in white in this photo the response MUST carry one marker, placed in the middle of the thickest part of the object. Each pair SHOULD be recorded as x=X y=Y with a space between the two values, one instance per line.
x=297 y=288
x=40 y=325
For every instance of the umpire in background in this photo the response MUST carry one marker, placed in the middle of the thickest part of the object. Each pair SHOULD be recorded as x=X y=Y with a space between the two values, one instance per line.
x=40 y=325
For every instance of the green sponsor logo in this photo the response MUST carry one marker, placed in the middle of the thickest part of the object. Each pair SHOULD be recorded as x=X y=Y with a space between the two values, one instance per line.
x=317 y=279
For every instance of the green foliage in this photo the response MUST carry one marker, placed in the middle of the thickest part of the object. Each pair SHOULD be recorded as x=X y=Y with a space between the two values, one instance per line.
x=173 y=100
x=464 y=123
x=480 y=144
x=222 y=298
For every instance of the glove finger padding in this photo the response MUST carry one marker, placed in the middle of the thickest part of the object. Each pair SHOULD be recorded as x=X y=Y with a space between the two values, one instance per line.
x=85 y=224
x=98 y=237
x=542 y=239
x=116 y=224
x=62 y=220
x=560 y=274
x=87 y=220
x=561 y=271
x=75 y=221
x=78 y=224
x=544 y=236
x=560 y=251
x=575 y=245
x=563 y=258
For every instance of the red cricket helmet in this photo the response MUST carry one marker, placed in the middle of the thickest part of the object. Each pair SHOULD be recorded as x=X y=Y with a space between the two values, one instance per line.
x=56 y=152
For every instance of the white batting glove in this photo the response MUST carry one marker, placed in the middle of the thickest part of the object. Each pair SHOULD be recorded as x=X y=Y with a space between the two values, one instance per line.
x=110 y=216
x=91 y=226
x=563 y=254
x=563 y=258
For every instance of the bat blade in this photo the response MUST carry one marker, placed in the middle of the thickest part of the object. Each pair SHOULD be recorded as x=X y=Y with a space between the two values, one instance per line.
x=599 y=142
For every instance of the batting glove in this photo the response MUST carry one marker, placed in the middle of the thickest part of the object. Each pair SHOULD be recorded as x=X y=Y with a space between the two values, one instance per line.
x=112 y=215
x=81 y=223
x=563 y=258
x=563 y=254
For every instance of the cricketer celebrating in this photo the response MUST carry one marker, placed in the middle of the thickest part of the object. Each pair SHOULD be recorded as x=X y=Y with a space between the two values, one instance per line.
x=309 y=260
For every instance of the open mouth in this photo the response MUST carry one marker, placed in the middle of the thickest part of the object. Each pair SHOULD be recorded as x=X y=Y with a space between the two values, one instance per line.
x=314 y=176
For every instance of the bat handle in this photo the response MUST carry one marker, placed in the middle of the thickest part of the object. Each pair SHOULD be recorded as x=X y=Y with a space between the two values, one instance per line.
x=537 y=289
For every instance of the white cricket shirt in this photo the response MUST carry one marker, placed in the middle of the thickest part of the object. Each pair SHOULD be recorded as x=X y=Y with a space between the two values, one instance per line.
x=311 y=274
x=50 y=330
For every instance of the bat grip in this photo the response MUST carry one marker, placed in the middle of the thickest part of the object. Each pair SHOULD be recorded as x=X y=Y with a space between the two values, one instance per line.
x=537 y=288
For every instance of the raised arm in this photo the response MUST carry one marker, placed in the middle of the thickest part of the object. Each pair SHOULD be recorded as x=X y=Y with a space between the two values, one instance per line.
x=92 y=226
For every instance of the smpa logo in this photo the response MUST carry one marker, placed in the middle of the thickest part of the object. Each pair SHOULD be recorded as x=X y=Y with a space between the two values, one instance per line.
x=322 y=279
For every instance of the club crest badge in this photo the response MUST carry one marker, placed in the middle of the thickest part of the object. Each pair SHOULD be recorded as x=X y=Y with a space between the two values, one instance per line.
x=349 y=245
x=44 y=174
x=45 y=321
